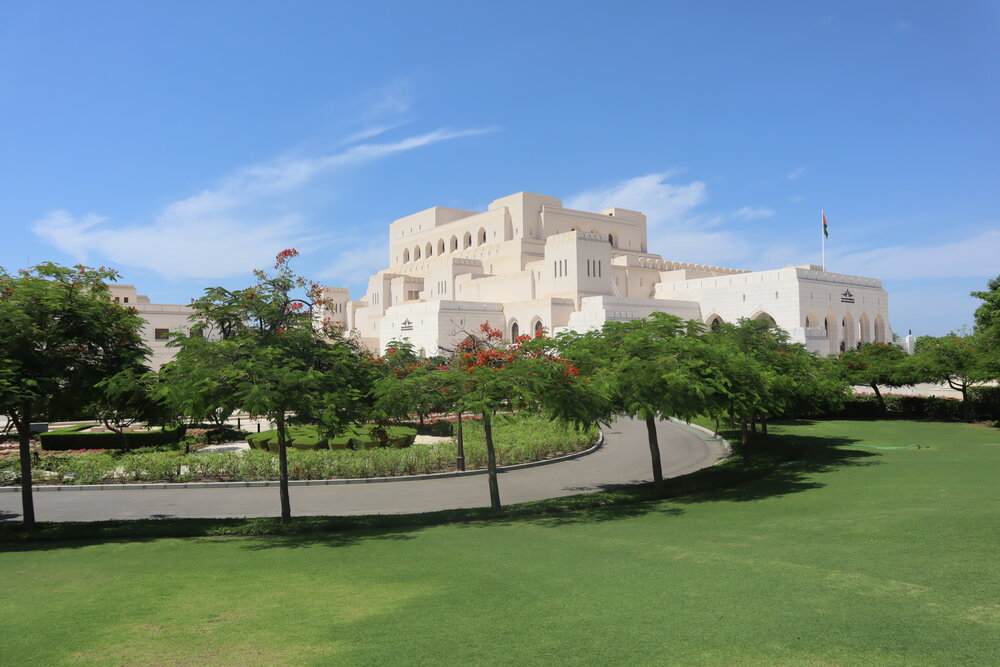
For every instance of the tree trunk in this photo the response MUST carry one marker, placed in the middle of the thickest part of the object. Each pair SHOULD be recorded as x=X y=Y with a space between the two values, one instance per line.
x=24 y=447
x=753 y=423
x=878 y=395
x=460 y=456
x=763 y=425
x=286 y=507
x=491 y=461
x=745 y=442
x=654 y=452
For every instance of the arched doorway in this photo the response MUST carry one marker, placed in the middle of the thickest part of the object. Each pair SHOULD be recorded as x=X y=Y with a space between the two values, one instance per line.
x=515 y=330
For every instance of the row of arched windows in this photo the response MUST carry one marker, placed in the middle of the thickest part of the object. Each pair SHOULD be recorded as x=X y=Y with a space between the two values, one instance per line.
x=515 y=329
x=429 y=249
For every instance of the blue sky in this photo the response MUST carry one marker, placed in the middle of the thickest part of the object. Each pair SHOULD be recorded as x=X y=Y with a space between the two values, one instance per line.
x=186 y=143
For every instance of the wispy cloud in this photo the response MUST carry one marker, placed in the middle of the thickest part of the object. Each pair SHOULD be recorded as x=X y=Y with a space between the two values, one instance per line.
x=226 y=230
x=364 y=257
x=795 y=173
x=676 y=226
x=748 y=213
x=974 y=256
x=664 y=204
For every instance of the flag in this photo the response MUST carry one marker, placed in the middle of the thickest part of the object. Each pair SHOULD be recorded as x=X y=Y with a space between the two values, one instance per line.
x=826 y=230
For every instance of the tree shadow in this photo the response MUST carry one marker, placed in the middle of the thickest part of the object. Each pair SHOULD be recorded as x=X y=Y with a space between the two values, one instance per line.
x=345 y=538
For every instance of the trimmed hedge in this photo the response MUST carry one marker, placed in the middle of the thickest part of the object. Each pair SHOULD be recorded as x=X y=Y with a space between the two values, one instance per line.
x=308 y=438
x=72 y=438
x=983 y=405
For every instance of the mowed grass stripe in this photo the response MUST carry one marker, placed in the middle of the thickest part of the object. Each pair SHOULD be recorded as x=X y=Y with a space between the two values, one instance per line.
x=850 y=556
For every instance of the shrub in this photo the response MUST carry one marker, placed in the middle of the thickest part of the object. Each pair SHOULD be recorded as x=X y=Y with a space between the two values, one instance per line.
x=64 y=439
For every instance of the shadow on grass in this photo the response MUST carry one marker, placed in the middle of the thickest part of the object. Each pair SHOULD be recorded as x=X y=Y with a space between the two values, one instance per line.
x=780 y=465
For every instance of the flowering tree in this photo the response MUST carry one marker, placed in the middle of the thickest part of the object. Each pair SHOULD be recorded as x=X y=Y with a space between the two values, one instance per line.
x=278 y=364
x=60 y=334
x=487 y=374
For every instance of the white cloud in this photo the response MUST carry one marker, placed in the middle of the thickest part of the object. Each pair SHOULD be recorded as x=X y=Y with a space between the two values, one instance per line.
x=748 y=213
x=676 y=228
x=975 y=256
x=795 y=173
x=365 y=257
x=665 y=204
x=224 y=231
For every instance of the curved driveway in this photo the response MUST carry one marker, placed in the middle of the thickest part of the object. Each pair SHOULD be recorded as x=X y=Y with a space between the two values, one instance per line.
x=623 y=460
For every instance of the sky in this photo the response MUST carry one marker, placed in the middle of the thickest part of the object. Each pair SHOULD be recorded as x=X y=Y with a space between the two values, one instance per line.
x=186 y=143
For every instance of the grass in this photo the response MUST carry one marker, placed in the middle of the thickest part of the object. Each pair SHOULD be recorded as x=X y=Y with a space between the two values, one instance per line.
x=847 y=556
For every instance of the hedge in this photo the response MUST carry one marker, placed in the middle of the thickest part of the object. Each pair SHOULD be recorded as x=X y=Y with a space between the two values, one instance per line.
x=72 y=438
x=983 y=405
x=356 y=437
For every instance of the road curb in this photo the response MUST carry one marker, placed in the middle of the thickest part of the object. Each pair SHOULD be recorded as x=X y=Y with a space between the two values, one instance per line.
x=53 y=488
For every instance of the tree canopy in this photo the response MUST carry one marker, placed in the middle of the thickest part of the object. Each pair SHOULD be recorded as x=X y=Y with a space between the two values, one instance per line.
x=60 y=334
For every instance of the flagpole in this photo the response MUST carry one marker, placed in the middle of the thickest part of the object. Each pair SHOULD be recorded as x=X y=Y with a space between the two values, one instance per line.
x=822 y=235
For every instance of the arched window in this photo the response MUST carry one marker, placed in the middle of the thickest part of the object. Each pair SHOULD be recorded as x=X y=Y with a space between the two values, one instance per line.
x=406 y=255
x=441 y=247
x=611 y=239
x=766 y=318
x=515 y=331
x=416 y=253
x=539 y=328
x=428 y=250
x=467 y=242
x=482 y=236
x=454 y=243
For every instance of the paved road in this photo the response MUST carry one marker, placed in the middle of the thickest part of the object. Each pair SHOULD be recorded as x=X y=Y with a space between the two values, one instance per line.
x=623 y=460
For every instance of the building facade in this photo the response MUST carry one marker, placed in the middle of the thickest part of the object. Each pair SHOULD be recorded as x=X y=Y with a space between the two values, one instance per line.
x=160 y=320
x=528 y=264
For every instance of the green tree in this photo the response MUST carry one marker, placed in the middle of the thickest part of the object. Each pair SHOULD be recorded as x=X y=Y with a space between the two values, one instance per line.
x=126 y=398
x=768 y=376
x=278 y=363
x=60 y=334
x=956 y=359
x=651 y=369
x=988 y=324
x=878 y=364
x=198 y=384
x=488 y=374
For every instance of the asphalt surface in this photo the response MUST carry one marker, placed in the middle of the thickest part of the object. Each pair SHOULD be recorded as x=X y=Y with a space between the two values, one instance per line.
x=623 y=460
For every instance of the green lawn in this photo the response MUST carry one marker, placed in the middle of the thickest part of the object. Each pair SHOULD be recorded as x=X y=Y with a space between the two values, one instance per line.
x=848 y=556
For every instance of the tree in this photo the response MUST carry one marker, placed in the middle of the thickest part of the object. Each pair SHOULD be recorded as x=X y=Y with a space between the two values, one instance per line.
x=957 y=359
x=60 y=334
x=124 y=399
x=767 y=376
x=651 y=369
x=277 y=362
x=198 y=383
x=988 y=323
x=488 y=374
x=875 y=364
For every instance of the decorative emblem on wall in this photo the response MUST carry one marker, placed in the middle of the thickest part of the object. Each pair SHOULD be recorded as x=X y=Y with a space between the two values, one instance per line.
x=847 y=297
x=407 y=325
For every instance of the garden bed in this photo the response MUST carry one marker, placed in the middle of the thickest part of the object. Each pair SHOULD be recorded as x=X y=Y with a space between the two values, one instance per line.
x=518 y=439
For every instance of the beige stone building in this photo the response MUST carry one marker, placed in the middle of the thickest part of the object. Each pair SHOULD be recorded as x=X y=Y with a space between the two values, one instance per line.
x=160 y=320
x=527 y=264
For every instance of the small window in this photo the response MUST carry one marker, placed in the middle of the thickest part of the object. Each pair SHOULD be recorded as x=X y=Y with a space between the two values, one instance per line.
x=161 y=334
x=125 y=299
